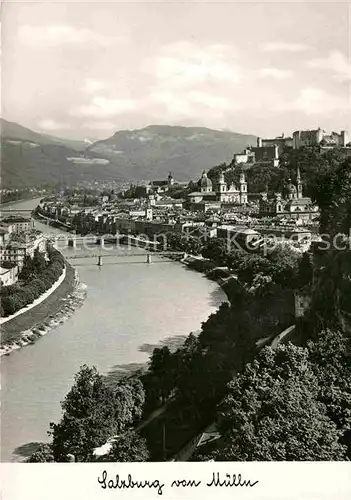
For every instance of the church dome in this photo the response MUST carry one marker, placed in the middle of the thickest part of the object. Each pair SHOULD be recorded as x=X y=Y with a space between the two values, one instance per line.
x=205 y=181
x=291 y=188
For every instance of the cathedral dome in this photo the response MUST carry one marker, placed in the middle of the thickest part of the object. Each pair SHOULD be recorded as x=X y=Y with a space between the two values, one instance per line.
x=205 y=182
x=291 y=188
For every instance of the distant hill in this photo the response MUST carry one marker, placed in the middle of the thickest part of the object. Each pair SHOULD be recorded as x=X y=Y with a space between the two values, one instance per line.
x=30 y=158
x=155 y=150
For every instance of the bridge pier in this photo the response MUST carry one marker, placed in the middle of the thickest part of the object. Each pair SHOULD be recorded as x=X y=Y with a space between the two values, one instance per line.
x=99 y=262
x=72 y=242
x=148 y=258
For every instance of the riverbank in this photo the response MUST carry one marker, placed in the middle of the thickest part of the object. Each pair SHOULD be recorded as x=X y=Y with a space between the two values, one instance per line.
x=14 y=202
x=32 y=324
x=37 y=301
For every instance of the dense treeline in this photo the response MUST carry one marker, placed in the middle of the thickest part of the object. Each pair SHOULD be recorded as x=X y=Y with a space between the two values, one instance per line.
x=36 y=277
x=315 y=166
x=290 y=403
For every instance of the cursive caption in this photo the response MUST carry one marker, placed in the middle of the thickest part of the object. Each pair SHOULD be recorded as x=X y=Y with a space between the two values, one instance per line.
x=216 y=481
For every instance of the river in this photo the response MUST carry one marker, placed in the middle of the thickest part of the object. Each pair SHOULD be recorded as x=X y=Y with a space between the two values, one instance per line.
x=129 y=308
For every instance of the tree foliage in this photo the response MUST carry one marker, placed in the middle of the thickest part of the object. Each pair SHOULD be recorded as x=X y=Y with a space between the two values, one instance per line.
x=272 y=412
x=93 y=412
x=42 y=454
x=129 y=447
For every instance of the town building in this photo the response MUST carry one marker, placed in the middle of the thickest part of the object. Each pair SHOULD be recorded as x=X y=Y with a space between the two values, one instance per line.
x=321 y=138
x=18 y=246
x=239 y=237
x=8 y=275
x=206 y=198
x=295 y=205
x=18 y=223
x=266 y=151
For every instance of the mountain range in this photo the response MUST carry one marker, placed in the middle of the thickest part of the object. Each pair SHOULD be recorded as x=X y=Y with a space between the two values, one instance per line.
x=30 y=158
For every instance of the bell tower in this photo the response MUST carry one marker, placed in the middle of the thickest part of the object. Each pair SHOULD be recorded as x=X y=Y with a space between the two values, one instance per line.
x=170 y=179
x=222 y=186
x=243 y=189
x=298 y=183
x=222 y=183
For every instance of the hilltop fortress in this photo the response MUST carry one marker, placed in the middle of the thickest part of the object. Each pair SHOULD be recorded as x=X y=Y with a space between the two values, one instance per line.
x=269 y=150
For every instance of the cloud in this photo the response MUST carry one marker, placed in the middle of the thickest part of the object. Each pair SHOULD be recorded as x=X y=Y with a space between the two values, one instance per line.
x=102 y=107
x=190 y=104
x=312 y=100
x=91 y=86
x=185 y=64
x=336 y=62
x=56 y=35
x=276 y=73
x=52 y=125
x=97 y=125
x=283 y=47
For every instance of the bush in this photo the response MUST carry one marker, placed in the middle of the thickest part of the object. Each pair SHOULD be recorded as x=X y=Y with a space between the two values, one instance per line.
x=39 y=285
x=47 y=280
x=12 y=304
x=14 y=297
x=31 y=293
x=43 y=454
x=9 y=290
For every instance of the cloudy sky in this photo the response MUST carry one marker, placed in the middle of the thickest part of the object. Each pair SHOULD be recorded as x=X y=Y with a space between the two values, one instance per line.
x=83 y=69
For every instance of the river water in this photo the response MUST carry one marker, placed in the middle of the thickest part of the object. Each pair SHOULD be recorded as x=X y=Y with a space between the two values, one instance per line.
x=130 y=307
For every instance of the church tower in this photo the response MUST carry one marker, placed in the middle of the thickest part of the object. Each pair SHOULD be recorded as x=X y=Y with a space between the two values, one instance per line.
x=222 y=186
x=243 y=189
x=170 y=179
x=205 y=183
x=148 y=211
x=298 y=183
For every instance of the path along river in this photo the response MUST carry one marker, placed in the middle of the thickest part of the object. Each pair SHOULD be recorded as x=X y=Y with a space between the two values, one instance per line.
x=129 y=307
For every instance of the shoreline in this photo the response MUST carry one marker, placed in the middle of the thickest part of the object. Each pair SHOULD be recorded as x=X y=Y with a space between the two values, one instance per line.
x=27 y=331
x=14 y=202
x=37 y=301
x=26 y=328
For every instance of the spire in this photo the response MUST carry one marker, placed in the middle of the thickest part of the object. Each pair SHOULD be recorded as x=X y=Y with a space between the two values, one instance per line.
x=298 y=182
x=298 y=175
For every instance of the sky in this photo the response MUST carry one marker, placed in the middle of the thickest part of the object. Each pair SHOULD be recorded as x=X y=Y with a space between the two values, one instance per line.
x=86 y=69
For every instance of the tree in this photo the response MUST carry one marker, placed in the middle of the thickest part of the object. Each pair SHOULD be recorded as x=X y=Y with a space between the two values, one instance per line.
x=11 y=304
x=251 y=265
x=161 y=367
x=331 y=291
x=285 y=261
x=39 y=262
x=129 y=399
x=43 y=454
x=328 y=353
x=216 y=249
x=129 y=447
x=305 y=270
x=333 y=195
x=27 y=270
x=89 y=417
x=272 y=412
